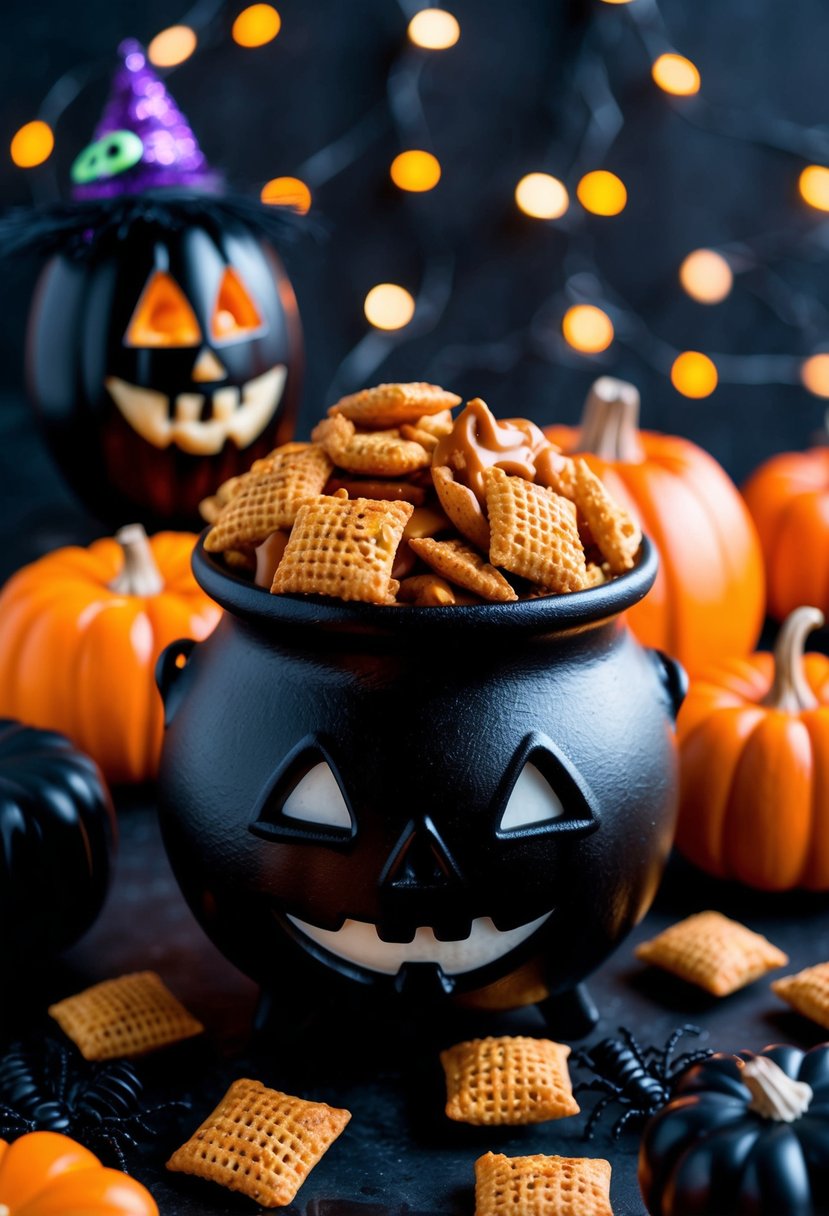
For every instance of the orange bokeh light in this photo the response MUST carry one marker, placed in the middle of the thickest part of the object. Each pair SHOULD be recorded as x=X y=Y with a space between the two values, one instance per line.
x=256 y=25
x=602 y=193
x=814 y=186
x=706 y=276
x=287 y=192
x=434 y=29
x=415 y=170
x=676 y=74
x=32 y=144
x=693 y=374
x=389 y=306
x=542 y=196
x=172 y=46
x=587 y=329
x=815 y=374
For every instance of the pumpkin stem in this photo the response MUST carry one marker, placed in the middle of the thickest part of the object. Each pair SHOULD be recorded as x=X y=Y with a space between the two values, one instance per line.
x=774 y=1095
x=790 y=689
x=139 y=575
x=610 y=422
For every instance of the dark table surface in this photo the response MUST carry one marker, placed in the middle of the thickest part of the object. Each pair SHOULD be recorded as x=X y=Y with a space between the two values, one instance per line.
x=399 y=1154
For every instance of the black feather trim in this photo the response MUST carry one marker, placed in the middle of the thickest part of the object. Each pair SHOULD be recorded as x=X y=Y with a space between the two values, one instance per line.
x=83 y=229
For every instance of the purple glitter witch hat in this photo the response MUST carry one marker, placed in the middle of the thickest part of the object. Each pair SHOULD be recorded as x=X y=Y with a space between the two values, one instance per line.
x=143 y=141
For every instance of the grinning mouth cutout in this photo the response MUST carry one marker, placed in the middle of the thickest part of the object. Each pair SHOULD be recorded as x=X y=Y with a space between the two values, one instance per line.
x=359 y=942
x=240 y=417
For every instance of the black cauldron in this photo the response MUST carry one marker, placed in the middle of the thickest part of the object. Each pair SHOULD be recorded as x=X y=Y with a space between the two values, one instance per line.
x=472 y=803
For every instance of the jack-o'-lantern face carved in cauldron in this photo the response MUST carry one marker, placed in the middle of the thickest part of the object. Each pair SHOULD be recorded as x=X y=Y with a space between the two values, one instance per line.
x=416 y=888
x=164 y=348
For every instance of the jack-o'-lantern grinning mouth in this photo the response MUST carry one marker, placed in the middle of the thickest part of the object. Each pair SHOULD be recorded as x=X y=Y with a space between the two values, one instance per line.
x=358 y=942
x=201 y=423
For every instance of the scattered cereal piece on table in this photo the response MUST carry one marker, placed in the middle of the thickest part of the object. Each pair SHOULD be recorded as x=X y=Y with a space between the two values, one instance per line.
x=461 y=564
x=807 y=992
x=534 y=533
x=260 y=1142
x=345 y=548
x=542 y=1186
x=508 y=1080
x=392 y=404
x=125 y=1017
x=713 y=952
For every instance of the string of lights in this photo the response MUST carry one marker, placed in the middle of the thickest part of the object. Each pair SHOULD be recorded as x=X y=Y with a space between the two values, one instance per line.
x=583 y=319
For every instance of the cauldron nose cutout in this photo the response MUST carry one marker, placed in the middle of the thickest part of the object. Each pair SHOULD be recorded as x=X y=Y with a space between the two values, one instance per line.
x=419 y=860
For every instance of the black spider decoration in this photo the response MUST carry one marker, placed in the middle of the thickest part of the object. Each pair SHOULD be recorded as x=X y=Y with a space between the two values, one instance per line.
x=639 y=1078
x=47 y=1088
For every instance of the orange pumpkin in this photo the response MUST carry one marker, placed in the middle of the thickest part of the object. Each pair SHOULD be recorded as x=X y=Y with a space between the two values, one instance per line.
x=788 y=497
x=46 y=1174
x=754 y=763
x=708 y=600
x=80 y=632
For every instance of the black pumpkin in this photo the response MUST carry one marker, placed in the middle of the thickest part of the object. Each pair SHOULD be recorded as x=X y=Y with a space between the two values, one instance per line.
x=711 y=1152
x=164 y=363
x=57 y=835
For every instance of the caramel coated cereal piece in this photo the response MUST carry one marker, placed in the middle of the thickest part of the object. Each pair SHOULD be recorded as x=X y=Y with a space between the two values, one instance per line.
x=807 y=992
x=613 y=529
x=391 y=404
x=542 y=1186
x=269 y=501
x=461 y=564
x=508 y=1080
x=713 y=952
x=555 y=471
x=363 y=487
x=426 y=521
x=344 y=548
x=462 y=507
x=268 y=556
x=260 y=1142
x=534 y=533
x=372 y=454
x=125 y=1017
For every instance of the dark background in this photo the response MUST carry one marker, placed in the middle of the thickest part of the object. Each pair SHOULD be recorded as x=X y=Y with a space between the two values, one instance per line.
x=508 y=99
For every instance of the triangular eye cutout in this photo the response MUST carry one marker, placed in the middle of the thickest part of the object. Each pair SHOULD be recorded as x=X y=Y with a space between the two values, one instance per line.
x=163 y=316
x=532 y=802
x=318 y=799
x=235 y=314
x=543 y=793
x=304 y=800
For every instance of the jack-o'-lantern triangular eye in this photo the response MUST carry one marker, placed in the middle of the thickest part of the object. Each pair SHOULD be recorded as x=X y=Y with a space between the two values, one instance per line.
x=235 y=314
x=163 y=317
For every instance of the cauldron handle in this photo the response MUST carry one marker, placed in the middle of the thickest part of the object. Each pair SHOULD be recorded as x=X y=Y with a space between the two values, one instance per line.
x=673 y=677
x=167 y=670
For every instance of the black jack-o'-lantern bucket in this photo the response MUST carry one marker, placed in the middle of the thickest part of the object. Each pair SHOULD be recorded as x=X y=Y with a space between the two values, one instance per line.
x=465 y=803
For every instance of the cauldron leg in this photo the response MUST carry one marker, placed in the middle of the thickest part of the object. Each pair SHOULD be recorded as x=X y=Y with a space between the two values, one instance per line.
x=571 y=1014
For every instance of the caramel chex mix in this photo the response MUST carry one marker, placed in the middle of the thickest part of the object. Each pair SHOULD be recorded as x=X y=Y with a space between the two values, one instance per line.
x=395 y=502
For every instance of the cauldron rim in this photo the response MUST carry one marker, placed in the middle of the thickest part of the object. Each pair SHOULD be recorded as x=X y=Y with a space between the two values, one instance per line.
x=551 y=614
